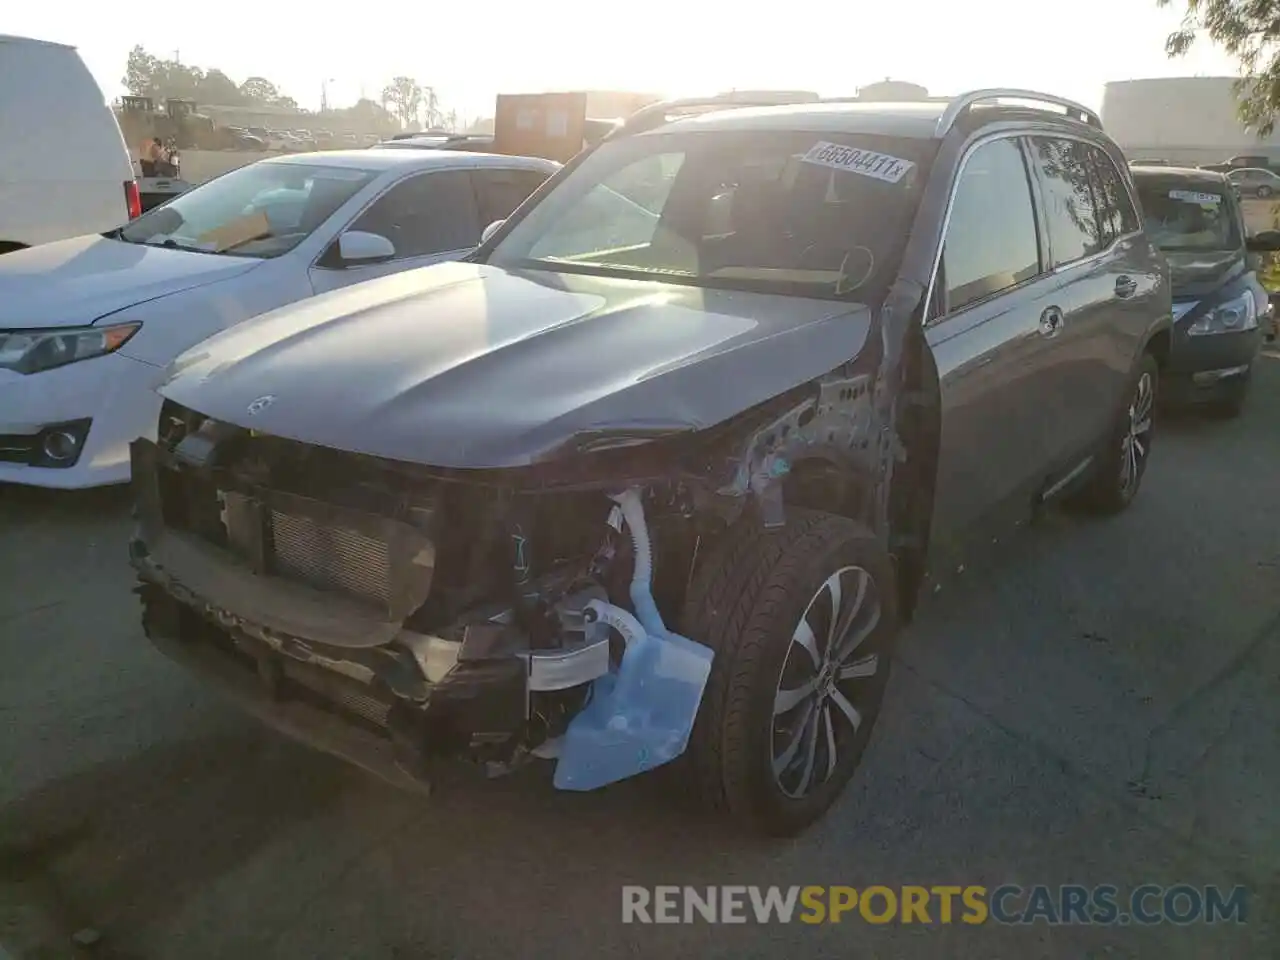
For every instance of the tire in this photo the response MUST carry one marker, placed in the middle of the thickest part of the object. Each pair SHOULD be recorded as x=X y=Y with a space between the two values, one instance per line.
x=1263 y=192
x=1116 y=480
x=747 y=602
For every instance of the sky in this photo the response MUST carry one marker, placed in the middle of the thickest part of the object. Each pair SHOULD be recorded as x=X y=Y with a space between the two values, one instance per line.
x=469 y=52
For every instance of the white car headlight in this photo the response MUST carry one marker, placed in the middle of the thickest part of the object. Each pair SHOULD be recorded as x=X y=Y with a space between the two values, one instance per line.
x=1234 y=316
x=31 y=351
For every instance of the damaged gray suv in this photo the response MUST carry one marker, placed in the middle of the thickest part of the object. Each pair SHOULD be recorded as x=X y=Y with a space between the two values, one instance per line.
x=656 y=476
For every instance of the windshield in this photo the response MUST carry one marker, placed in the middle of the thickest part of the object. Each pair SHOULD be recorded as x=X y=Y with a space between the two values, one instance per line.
x=1189 y=217
x=260 y=210
x=808 y=214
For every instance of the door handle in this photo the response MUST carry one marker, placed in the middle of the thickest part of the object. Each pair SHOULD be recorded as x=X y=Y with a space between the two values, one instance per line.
x=1051 y=321
x=1126 y=287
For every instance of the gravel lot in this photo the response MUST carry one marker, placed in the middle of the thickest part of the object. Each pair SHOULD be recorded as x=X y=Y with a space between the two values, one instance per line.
x=1100 y=704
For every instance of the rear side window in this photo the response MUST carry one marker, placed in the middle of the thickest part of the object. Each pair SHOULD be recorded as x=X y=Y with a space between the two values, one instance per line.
x=991 y=241
x=499 y=192
x=426 y=214
x=1115 y=207
x=1070 y=195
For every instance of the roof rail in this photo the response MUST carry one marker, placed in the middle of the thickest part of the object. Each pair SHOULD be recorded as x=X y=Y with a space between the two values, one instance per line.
x=656 y=114
x=962 y=104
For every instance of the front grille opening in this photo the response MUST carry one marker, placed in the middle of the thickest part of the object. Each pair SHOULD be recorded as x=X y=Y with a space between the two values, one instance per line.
x=330 y=557
x=190 y=502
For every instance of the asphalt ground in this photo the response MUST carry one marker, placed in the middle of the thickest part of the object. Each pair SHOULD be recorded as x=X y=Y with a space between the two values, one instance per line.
x=1096 y=704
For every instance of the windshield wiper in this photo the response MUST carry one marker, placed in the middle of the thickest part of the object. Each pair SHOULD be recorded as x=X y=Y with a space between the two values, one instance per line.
x=171 y=244
x=265 y=235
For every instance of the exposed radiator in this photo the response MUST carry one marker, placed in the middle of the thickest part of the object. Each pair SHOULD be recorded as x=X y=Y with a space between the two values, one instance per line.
x=330 y=557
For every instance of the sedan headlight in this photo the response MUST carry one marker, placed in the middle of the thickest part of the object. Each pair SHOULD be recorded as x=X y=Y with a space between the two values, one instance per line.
x=1234 y=316
x=31 y=351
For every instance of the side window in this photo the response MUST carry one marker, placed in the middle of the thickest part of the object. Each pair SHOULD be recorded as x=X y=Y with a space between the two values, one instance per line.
x=499 y=192
x=991 y=241
x=1115 y=206
x=1075 y=230
x=428 y=213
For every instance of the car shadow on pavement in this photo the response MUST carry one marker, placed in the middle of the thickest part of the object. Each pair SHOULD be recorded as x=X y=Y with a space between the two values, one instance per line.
x=130 y=847
x=137 y=836
x=20 y=503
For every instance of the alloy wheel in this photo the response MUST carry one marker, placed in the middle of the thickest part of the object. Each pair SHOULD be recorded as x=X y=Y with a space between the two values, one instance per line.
x=826 y=690
x=1135 y=444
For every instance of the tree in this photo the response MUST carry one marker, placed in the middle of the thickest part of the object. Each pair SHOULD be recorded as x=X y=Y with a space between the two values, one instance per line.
x=369 y=115
x=259 y=90
x=1248 y=31
x=217 y=87
x=140 y=72
x=404 y=96
x=147 y=75
x=432 y=118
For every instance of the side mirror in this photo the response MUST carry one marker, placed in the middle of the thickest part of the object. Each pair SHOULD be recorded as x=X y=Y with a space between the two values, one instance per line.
x=490 y=230
x=357 y=248
x=1265 y=241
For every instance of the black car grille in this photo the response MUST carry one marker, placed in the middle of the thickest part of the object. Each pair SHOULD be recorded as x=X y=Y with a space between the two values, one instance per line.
x=18 y=448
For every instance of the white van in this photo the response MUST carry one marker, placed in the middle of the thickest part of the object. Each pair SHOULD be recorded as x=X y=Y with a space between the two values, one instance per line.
x=64 y=167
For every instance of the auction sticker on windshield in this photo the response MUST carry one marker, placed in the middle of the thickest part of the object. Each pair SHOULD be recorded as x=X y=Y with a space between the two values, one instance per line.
x=881 y=166
x=1190 y=196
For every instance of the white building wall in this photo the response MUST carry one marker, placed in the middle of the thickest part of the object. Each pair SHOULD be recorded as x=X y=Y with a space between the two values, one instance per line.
x=1184 y=119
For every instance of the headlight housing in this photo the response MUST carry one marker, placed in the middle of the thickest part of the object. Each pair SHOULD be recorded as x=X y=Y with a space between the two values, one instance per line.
x=32 y=351
x=1235 y=316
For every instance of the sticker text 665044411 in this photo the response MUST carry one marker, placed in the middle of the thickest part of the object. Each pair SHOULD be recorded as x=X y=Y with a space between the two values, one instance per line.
x=881 y=166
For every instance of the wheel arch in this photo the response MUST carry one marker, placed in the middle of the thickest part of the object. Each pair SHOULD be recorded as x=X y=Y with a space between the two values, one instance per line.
x=1158 y=345
x=833 y=484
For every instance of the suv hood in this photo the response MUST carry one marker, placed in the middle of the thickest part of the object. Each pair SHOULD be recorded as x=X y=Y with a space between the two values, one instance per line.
x=1201 y=272
x=470 y=365
x=72 y=283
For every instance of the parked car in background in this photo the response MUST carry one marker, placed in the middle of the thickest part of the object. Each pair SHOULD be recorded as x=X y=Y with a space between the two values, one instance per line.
x=1220 y=308
x=639 y=480
x=64 y=166
x=87 y=324
x=1254 y=182
x=349 y=140
x=1250 y=160
x=437 y=141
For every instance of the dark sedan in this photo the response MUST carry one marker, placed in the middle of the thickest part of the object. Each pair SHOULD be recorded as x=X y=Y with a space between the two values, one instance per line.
x=1220 y=309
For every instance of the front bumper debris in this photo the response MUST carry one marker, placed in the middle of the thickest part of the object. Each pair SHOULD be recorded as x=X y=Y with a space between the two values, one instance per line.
x=282 y=704
x=337 y=669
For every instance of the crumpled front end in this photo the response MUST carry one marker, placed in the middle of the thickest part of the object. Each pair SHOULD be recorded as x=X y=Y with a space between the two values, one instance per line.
x=394 y=616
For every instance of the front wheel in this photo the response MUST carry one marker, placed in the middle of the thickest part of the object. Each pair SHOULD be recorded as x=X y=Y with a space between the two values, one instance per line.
x=1123 y=460
x=1263 y=192
x=803 y=621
